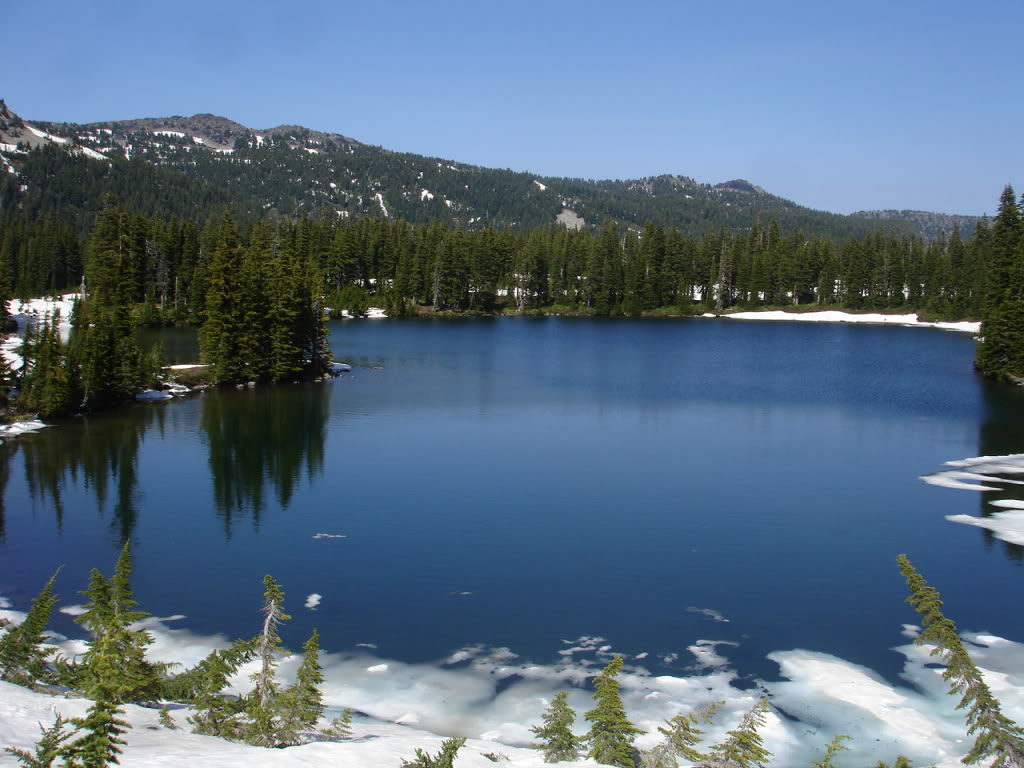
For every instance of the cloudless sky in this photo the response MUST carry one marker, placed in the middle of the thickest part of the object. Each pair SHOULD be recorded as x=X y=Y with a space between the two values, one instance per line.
x=836 y=105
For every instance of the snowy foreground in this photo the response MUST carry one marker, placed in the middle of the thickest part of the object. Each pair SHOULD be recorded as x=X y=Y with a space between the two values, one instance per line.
x=835 y=316
x=492 y=697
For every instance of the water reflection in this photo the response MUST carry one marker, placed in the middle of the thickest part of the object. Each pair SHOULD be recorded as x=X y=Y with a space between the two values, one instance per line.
x=102 y=451
x=259 y=438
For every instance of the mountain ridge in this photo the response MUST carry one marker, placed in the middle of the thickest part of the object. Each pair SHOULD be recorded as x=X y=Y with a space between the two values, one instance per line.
x=291 y=170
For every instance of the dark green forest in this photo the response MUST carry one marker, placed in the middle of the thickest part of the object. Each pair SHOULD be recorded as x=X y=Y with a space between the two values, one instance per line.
x=260 y=293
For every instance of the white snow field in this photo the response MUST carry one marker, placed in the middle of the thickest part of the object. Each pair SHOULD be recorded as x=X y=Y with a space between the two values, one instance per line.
x=471 y=694
x=835 y=316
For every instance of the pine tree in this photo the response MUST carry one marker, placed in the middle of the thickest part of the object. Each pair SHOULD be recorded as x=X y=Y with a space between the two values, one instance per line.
x=213 y=713
x=22 y=658
x=50 y=747
x=611 y=734
x=832 y=749
x=555 y=735
x=1002 y=325
x=743 y=746
x=263 y=705
x=115 y=668
x=101 y=743
x=303 y=704
x=340 y=727
x=996 y=736
x=445 y=758
x=682 y=734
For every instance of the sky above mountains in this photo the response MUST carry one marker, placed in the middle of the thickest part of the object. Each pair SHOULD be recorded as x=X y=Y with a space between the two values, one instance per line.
x=839 y=106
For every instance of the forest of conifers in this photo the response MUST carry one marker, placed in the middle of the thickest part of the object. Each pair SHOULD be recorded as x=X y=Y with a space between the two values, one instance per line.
x=259 y=294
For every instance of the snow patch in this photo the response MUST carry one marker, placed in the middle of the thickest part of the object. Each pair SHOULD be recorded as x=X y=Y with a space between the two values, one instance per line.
x=426 y=194
x=153 y=395
x=380 y=200
x=542 y=187
x=45 y=135
x=21 y=428
x=91 y=153
x=835 y=316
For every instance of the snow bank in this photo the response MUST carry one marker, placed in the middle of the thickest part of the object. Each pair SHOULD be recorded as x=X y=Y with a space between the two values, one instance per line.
x=493 y=697
x=20 y=428
x=835 y=316
x=34 y=312
x=44 y=135
x=152 y=746
x=153 y=395
x=988 y=472
x=374 y=312
x=1008 y=526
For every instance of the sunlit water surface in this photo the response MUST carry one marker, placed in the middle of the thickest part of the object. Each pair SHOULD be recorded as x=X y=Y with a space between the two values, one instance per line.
x=519 y=483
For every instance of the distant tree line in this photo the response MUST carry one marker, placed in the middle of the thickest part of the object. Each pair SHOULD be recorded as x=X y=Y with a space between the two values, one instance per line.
x=259 y=293
x=614 y=270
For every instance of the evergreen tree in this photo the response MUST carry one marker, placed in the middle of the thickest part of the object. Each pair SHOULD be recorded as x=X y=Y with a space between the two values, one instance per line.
x=22 y=658
x=213 y=713
x=611 y=735
x=1001 y=351
x=266 y=723
x=50 y=747
x=340 y=727
x=996 y=736
x=682 y=734
x=115 y=668
x=555 y=735
x=445 y=758
x=102 y=741
x=832 y=749
x=303 y=704
x=743 y=746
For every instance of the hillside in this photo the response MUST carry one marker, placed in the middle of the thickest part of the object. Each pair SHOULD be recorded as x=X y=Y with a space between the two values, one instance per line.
x=929 y=225
x=194 y=166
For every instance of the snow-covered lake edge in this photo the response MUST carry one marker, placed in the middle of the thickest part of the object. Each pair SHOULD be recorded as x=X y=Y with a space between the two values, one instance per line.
x=838 y=316
x=492 y=696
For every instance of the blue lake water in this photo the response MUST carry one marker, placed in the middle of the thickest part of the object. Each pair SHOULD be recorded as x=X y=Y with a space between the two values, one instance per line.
x=520 y=482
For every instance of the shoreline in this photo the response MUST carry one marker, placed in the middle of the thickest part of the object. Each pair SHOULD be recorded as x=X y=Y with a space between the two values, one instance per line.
x=908 y=320
x=492 y=696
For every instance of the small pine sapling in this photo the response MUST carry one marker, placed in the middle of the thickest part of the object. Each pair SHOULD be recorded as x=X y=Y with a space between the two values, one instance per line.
x=611 y=734
x=302 y=704
x=555 y=736
x=996 y=736
x=50 y=747
x=681 y=737
x=22 y=657
x=743 y=746
x=832 y=749
x=101 y=743
x=166 y=720
x=445 y=758
x=340 y=728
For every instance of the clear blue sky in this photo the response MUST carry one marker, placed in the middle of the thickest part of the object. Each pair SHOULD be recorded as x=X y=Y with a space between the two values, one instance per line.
x=840 y=106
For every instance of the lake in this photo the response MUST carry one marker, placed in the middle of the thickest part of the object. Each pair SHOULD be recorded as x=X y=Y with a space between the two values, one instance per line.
x=527 y=484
